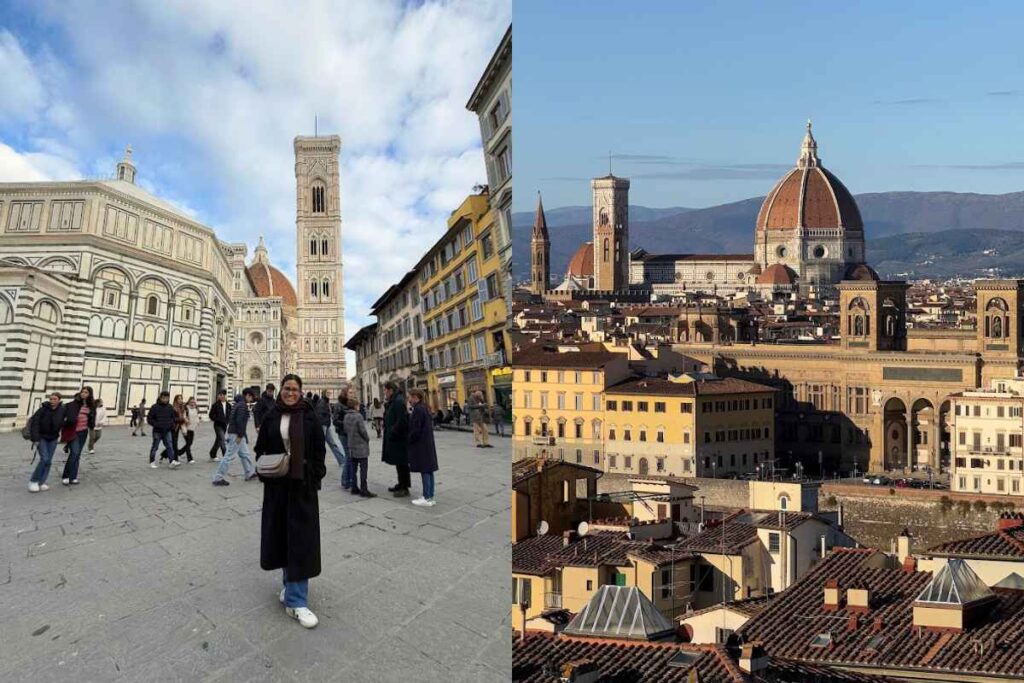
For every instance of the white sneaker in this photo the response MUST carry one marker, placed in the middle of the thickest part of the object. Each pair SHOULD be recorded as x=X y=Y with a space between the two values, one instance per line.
x=191 y=462
x=217 y=459
x=420 y=501
x=66 y=482
x=430 y=503
x=174 y=463
x=303 y=614
x=74 y=481
x=281 y=597
x=154 y=464
x=91 y=452
x=44 y=487
x=33 y=487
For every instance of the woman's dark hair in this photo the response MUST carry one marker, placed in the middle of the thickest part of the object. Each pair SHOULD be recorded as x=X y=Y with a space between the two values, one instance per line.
x=393 y=386
x=91 y=401
x=292 y=376
x=418 y=393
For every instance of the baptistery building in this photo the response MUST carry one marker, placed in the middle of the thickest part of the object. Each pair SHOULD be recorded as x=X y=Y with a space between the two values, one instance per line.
x=106 y=284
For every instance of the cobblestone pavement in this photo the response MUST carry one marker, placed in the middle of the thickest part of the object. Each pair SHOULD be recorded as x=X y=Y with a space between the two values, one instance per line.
x=142 y=574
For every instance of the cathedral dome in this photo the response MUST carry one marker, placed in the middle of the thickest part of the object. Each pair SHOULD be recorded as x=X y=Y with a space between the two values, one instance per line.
x=861 y=271
x=269 y=281
x=777 y=274
x=809 y=197
x=582 y=262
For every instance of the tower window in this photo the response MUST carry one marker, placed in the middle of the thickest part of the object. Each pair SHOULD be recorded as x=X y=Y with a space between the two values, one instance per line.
x=312 y=247
x=605 y=248
x=318 y=198
x=323 y=247
x=313 y=288
x=326 y=288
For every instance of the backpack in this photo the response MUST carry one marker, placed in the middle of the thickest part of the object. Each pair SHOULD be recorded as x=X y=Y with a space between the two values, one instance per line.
x=26 y=431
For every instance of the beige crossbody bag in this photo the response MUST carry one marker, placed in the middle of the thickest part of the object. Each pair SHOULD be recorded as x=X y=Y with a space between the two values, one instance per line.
x=274 y=465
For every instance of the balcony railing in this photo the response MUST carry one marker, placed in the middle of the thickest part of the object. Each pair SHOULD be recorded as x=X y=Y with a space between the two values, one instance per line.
x=552 y=601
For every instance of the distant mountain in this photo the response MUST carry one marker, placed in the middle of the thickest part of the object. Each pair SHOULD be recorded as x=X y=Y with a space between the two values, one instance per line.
x=971 y=222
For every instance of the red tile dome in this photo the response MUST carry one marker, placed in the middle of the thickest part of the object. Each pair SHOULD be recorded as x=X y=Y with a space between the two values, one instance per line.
x=777 y=274
x=582 y=262
x=268 y=281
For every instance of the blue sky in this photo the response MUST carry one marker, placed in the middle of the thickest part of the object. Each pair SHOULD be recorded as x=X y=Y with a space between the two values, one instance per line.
x=706 y=103
x=211 y=94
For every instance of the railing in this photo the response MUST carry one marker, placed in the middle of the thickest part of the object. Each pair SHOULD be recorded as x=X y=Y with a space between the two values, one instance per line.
x=494 y=359
x=552 y=601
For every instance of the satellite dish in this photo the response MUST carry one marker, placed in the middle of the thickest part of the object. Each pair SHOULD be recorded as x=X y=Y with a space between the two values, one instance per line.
x=542 y=528
x=583 y=529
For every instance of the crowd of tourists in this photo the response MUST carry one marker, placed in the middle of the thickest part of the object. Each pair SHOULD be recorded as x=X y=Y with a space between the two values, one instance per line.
x=291 y=433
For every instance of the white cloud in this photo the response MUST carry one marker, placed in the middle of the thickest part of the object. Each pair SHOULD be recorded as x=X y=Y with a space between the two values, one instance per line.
x=34 y=166
x=21 y=88
x=210 y=95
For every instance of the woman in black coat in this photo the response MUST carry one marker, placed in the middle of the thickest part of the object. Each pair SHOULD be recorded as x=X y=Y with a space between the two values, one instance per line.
x=290 y=538
x=422 y=452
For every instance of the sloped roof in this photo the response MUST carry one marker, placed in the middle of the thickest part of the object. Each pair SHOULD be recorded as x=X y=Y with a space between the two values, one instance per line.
x=1002 y=544
x=1012 y=581
x=620 y=612
x=955 y=584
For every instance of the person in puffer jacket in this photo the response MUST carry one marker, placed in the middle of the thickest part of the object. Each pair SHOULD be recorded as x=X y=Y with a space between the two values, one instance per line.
x=238 y=442
x=162 y=419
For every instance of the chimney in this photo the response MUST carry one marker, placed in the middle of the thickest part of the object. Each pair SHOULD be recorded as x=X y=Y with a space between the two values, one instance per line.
x=580 y=671
x=753 y=657
x=910 y=564
x=1010 y=520
x=858 y=598
x=877 y=625
x=904 y=546
x=832 y=593
x=853 y=622
x=568 y=537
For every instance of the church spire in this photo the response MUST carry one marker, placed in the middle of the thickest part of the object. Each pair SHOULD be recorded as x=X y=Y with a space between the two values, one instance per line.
x=540 y=247
x=540 y=224
x=808 y=150
x=260 y=253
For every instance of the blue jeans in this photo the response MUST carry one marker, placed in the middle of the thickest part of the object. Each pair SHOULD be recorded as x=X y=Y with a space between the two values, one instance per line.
x=167 y=440
x=428 y=484
x=45 y=451
x=296 y=593
x=241 y=449
x=77 y=444
x=334 y=443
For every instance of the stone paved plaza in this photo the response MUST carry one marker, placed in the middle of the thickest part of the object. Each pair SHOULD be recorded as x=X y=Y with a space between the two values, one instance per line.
x=142 y=574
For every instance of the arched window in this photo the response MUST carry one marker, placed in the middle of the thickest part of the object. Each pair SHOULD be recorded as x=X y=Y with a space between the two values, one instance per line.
x=152 y=305
x=313 y=287
x=47 y=312
x=323 y=247
x=326 y=289
x=312 y=247
x=605 y=248
x=602 y=217
x=783 y=503
x=319 y=203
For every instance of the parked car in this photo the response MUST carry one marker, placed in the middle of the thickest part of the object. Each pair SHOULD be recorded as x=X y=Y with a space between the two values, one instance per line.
x=881 y=481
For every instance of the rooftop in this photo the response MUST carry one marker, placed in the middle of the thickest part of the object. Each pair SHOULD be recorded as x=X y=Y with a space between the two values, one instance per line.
x=658 y=386
x=530 y=467
x=620 y=612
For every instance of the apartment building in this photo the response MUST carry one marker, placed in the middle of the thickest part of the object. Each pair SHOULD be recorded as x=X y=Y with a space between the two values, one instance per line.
x=461 y=289
x=400 y=334
x=987 y=430
x=366 y=380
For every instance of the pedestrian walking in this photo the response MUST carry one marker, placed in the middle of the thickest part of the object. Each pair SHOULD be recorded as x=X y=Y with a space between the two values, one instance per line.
x=322 y=410
x=456 y=412
x=290 y=529
x=189 y=426
x=396 y=434
x=219 y=417
x=97 y=431
x=340 y=410
x=362 y=410
x=179 y=419
x=45 y=427
x=238 y=439
x=479 y=415
x=140 y=424
x=377 y=415
x=161 y=418
x=422 y=451
x=498 y=418
x=358 y=449
x=264 y=405
x=79 y=418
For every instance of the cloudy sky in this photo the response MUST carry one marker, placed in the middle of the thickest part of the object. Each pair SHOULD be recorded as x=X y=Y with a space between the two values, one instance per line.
x=704 y=103
x=211 y=94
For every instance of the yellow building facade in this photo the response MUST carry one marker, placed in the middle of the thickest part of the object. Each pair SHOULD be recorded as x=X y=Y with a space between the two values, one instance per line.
x=461 y=290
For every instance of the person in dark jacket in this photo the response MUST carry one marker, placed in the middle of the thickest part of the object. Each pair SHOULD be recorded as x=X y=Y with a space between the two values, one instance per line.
x=358 y=448
x=162 y=418
x=79 y=418
x=290 y=529
x=422 y=451
x=238 y=439
x=46 y=425
x=396 y=433
x=456 y=412
x=264 y=405
x=219 y=417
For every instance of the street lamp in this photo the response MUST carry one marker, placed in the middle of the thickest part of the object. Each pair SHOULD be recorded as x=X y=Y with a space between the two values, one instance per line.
x=821 y=466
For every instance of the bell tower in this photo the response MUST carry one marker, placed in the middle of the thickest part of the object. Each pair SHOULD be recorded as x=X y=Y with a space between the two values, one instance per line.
x=540 y=250
x=321 y=309
x=873 y=315
x=611 y=232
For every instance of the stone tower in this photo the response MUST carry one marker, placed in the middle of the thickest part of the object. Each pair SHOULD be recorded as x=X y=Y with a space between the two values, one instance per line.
x=321 y=309
x=540 y=250
x=611 y=232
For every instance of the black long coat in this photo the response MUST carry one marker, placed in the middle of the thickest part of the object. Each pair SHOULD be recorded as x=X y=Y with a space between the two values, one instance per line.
x=290 y=536
x=396 y=432
x=422 y=452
